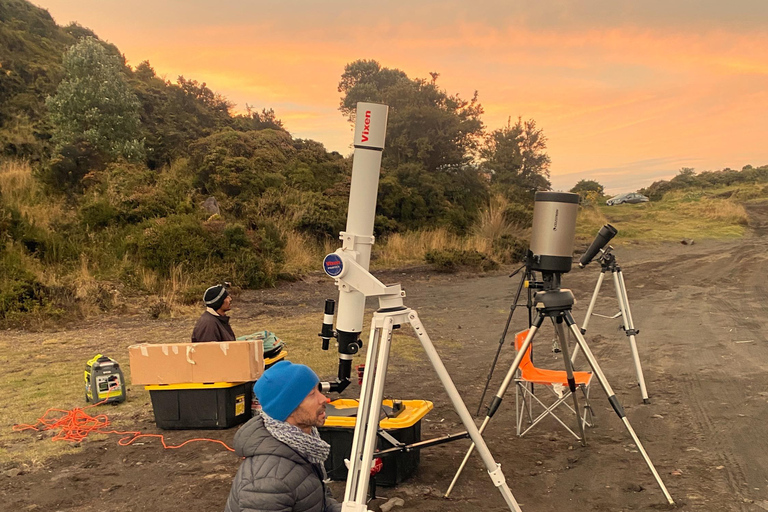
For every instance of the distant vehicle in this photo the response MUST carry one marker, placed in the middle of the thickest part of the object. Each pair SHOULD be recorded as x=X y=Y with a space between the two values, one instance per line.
x=631 y=198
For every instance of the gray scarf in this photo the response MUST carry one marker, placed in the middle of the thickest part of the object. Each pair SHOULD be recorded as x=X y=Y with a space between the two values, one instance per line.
x=309 y=446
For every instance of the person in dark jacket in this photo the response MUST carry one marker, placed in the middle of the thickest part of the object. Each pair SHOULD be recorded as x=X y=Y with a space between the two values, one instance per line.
x=283 y=467
x=213 y=325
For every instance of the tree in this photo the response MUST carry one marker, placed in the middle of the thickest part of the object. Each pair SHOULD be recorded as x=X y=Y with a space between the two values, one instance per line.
x=426 y=125
x=515 y=155
x=584 y=186
x=94 y=103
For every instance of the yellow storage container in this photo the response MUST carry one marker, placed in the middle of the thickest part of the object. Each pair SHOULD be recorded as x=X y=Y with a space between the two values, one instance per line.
x=338 y=431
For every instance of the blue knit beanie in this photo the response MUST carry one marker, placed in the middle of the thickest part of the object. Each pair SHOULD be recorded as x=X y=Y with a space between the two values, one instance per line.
x=282 y=387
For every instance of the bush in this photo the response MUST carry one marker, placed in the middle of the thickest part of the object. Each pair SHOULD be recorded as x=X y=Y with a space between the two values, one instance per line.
x=20 y=291
x=66 y=170
x=324 y=217
x=97 y=214
x=518 y=214
x=510 y=249
x=451 y=260
x=214 y=250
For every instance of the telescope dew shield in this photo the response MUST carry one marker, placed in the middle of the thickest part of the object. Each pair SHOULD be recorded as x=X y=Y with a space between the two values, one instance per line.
x=553 y=232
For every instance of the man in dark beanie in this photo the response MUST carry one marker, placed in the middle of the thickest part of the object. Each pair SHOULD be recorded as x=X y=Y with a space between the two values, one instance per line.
x=283 y=467
x=213 y=325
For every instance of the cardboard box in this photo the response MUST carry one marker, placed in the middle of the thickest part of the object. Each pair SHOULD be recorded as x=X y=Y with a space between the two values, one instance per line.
x=179 y=363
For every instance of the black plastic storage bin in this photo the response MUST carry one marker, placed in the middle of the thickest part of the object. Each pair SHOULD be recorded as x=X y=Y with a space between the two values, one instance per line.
x=338 y=431
x=204 y=406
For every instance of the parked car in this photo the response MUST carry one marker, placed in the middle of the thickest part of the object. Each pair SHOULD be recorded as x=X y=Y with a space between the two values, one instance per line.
x=631 y=198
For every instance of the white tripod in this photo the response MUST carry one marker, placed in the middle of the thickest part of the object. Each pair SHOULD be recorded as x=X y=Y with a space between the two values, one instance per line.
x=392 y=314
x=608 y=263
x=349 y=267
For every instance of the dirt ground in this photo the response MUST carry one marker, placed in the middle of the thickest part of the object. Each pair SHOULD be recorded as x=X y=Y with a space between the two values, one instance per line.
x=700 y=309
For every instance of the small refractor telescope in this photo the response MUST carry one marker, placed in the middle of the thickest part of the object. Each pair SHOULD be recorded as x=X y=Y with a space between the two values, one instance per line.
x=554 y=229
x=604 y=236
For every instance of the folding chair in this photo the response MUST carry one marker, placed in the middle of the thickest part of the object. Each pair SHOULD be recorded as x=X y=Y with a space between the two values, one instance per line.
x=554 y=380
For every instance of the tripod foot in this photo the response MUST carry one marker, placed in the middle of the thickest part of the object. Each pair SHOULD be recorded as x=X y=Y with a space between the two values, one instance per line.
x=646 y=401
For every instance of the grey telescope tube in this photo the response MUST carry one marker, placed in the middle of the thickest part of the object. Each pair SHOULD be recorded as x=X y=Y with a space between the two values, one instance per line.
x=554 y=229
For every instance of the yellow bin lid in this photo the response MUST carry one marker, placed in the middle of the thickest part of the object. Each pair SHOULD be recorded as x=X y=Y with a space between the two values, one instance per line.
x=414 y=411
x=192 y=385
x=279 y=357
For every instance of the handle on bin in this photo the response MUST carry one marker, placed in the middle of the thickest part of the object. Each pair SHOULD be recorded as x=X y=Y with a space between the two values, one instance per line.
x=189 y=351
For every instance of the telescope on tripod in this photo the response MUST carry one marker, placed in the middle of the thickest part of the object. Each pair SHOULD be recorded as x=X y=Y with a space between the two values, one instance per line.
x=551 y=254
x=608 y=264
x=348 y=266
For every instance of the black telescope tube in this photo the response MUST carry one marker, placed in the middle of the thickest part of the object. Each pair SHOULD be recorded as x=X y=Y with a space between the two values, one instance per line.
x=604 y=236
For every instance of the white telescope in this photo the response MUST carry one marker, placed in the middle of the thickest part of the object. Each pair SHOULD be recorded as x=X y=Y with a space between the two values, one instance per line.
x=357 y=240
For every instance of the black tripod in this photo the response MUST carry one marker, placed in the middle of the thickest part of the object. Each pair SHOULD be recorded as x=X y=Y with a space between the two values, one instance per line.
x=555 y=303
x=526 y=277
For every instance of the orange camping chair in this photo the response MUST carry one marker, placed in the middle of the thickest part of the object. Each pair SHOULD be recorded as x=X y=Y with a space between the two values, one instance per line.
x=556 y=380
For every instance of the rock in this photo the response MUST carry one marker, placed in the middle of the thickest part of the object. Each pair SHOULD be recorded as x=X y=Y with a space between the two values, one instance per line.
x=212 y=206
x=676 y=472
x=687 y=241
x=658 y=416
x=12 y=472
x=392 y=503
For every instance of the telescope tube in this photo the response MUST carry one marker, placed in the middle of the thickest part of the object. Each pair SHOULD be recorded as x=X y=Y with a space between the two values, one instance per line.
x=604 y=236
x=553 y=232
x=370 y=132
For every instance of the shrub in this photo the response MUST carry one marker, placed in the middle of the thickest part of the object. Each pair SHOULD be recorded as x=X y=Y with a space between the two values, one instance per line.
x=214 y=250
x=510 y=249
x=451 y=260
x=518 y=214
x=20 y=291
x=97 y=214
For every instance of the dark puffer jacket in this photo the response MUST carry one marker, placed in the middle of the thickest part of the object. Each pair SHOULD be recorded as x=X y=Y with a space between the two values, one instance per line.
x=210 y=327
x=274 y=477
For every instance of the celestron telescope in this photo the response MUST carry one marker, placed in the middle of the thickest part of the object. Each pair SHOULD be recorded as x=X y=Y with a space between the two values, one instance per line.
x=608 y=263
x=551 y=254
x=349 y=267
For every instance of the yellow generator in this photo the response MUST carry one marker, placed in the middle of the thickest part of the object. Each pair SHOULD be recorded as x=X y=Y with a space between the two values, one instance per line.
x=104 y=381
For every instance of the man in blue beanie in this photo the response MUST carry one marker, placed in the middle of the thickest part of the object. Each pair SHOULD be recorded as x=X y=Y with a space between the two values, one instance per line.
x=283 y=467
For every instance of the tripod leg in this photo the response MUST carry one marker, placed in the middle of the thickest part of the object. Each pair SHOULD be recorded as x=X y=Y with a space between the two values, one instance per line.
x=614 y=401
x=494 y=469
x=499 y=395
x=357 y=466
x=589 y=312
x=501 y=341
x=569 y=372
x=629 y=328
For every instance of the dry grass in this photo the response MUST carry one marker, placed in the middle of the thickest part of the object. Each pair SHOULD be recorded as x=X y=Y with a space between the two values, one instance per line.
x=302 y=253
x=410 y=248
x=42 y=370
x=719 y=210
x=493 y=225
x=20 y=190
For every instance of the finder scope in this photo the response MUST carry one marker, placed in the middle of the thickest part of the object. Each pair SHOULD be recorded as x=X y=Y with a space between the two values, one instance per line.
x=604 y=236
x=554 y=229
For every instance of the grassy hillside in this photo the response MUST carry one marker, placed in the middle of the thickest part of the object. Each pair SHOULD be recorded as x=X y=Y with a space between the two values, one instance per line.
x=695 y=214
x=91 y=221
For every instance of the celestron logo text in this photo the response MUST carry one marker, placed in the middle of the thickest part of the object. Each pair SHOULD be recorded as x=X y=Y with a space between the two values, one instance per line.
x=557 y=212
x=367 y=125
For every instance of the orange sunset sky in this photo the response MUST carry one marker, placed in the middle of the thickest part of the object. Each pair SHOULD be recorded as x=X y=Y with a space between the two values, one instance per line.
x=627 y=92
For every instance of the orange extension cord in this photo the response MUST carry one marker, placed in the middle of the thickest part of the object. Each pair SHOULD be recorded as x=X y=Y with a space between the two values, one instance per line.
x=76 y=425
